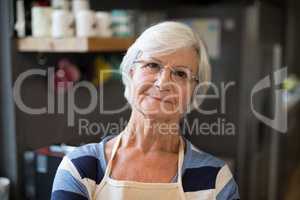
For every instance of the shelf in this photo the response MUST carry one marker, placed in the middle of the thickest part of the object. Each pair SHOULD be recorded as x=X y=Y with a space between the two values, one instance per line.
x=96 y=44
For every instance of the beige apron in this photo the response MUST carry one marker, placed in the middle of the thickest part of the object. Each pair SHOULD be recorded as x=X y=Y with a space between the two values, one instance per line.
x=111 y=189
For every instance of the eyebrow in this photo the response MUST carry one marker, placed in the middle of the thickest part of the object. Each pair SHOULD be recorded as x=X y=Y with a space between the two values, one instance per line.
x=179 y=66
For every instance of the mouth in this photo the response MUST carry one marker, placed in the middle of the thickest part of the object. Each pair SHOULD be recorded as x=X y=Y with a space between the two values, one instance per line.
x=161 y=99
x=156 y=98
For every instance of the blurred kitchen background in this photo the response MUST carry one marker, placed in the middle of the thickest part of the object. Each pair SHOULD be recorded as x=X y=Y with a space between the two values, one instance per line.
x=72 y=41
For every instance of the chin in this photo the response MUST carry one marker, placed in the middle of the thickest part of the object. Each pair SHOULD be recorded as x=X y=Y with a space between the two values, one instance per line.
x=158 y=116
x=155 y=111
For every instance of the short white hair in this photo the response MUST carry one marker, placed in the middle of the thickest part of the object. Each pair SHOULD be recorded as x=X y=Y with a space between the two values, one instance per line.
x=165 y=38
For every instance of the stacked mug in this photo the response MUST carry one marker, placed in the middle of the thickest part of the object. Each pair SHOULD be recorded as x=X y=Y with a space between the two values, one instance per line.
x=59 y=21
x=90 y=23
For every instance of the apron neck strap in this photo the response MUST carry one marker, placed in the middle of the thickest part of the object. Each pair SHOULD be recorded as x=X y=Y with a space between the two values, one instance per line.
x=114 y=150
x=180 y=157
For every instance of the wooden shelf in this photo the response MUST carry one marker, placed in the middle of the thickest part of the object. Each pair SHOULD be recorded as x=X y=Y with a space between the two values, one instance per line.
x=96 y=44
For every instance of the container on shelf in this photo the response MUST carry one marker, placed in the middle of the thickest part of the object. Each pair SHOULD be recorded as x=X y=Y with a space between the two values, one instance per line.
x=20 y=23
x=4 y=188
x=41 y=21
x=122 y=23
x=62 y=24
x=86 y=23
x=60 y=4
x=79 y=5
x=103 y=24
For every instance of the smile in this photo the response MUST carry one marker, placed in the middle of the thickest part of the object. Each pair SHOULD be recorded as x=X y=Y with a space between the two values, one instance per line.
x=160 y=99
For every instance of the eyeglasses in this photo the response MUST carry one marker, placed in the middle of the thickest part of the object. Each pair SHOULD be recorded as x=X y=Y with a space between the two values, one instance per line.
x=178 y=74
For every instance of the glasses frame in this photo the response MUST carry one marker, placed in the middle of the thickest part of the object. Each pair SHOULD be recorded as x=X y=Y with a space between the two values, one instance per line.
x=190 y=79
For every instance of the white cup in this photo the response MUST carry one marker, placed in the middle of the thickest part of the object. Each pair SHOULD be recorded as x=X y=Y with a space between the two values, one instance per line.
x=4 y=188
x=41 y=21
x=79 y=5
x=62 y=24
x=86 y=23
x=104 y=24
x=60 y=4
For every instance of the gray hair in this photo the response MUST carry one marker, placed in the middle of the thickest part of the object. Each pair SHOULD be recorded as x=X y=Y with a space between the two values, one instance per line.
x=165 y=38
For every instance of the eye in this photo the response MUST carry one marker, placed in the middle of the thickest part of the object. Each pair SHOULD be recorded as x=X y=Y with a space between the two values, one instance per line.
x=152 y=67
x=181 y=74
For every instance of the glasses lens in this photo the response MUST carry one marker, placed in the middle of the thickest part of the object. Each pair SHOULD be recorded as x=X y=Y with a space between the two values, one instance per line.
x=181 y=75
x=151 y=67
x=178 y=74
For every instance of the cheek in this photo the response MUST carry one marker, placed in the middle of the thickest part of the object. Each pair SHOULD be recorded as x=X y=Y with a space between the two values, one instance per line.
x=139 y=80
x=140 y=84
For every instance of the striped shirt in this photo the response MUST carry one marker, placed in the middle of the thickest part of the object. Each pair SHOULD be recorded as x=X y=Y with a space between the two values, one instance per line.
x=82 y=170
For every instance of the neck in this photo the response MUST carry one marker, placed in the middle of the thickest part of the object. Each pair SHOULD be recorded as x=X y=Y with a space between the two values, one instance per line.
x=151 y=135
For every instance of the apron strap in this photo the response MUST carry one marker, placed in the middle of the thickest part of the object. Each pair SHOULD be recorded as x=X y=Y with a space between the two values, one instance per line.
x=114 y=150
x=180 y=157
x=180 y=160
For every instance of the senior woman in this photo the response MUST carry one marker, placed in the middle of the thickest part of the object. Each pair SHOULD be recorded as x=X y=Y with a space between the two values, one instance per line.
x=150 y=159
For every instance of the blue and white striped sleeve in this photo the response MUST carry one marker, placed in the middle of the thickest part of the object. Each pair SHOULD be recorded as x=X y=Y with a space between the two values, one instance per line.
x=226 y=187
x=67 y=183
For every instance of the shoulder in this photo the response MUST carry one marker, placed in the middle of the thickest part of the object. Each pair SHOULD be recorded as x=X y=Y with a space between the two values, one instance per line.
x=89 y=160
x=84 y=162
x=203 y=171
x=77 y=173
x=197 y=158
x=87 y=151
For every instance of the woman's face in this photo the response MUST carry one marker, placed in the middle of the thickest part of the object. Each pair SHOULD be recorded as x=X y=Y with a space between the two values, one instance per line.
x=162 y=85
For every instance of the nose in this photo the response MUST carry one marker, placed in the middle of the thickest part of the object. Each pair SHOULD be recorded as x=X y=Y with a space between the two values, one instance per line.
x=163 y=79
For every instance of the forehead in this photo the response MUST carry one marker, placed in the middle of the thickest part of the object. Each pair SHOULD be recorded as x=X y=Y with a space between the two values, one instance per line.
x=186 y=57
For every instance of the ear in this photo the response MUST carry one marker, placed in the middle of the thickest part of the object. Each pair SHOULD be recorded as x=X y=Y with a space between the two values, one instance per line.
x=131 y=72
